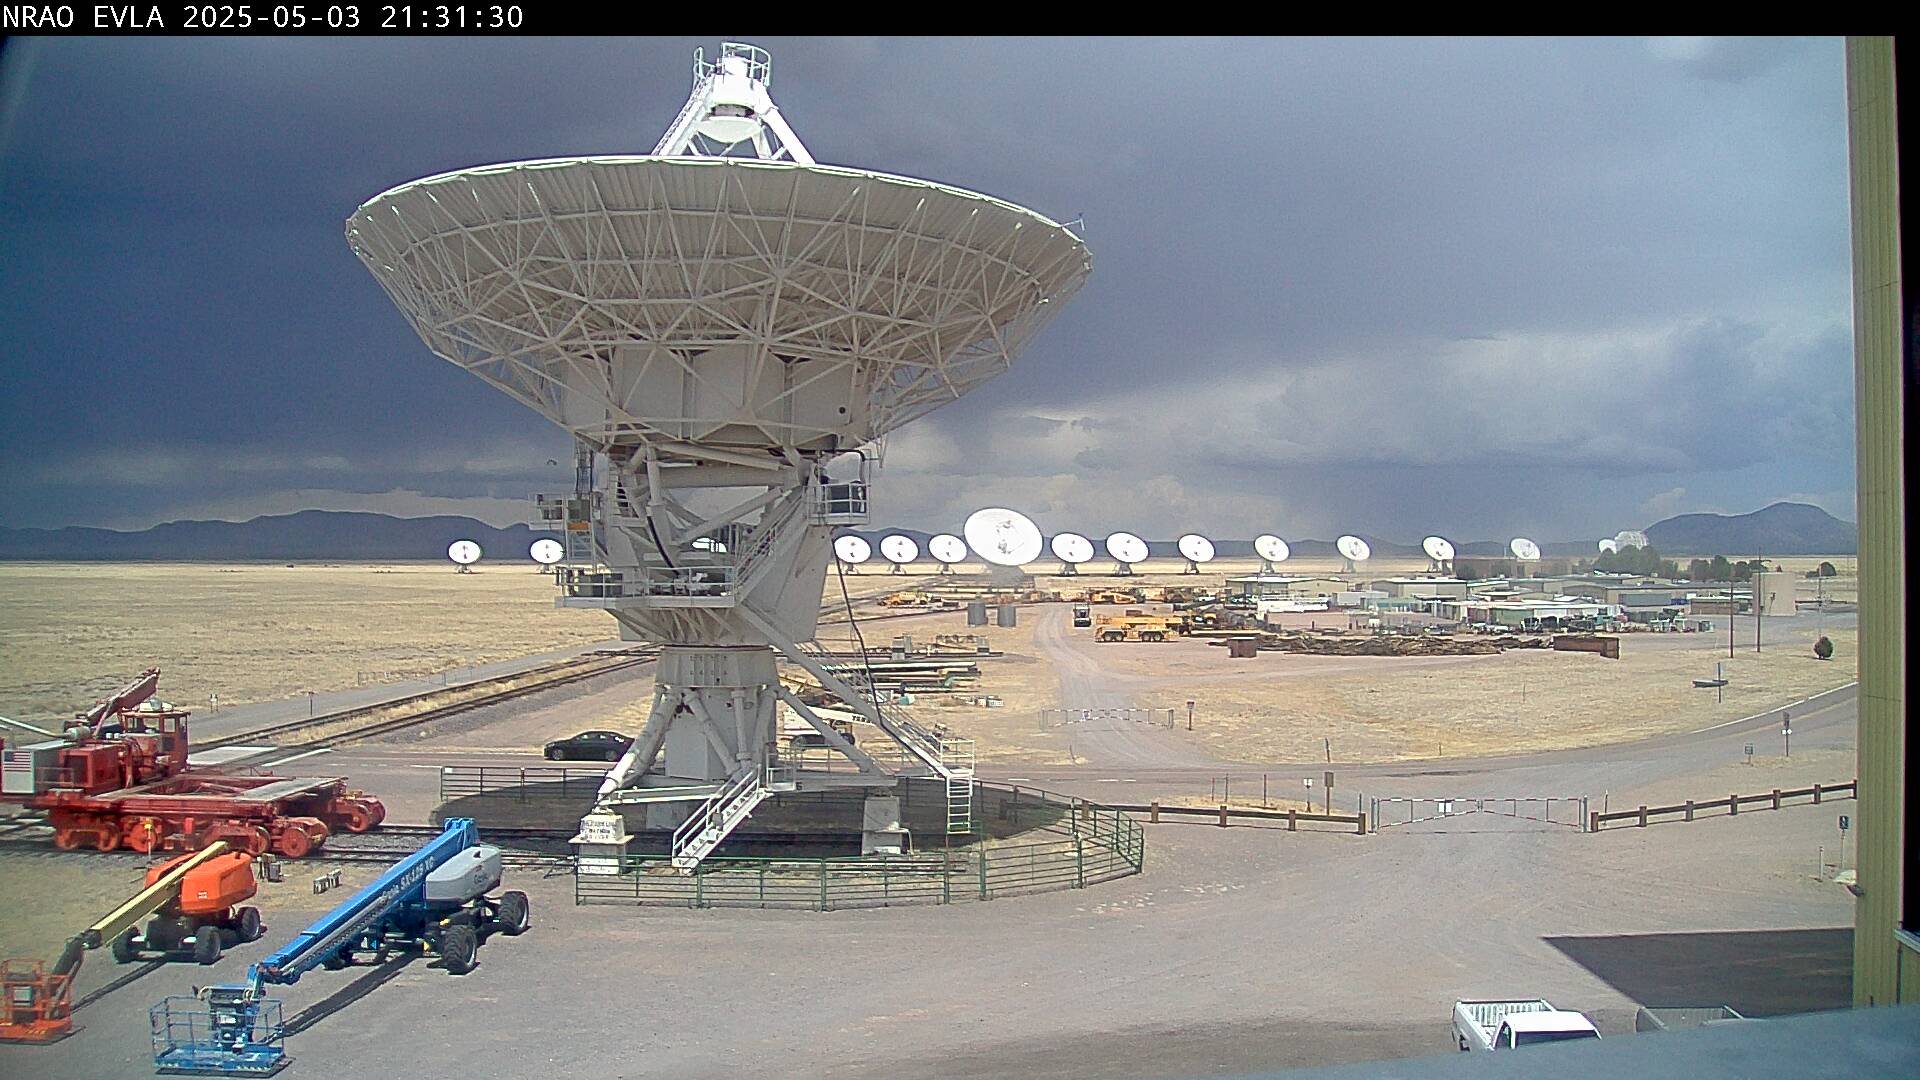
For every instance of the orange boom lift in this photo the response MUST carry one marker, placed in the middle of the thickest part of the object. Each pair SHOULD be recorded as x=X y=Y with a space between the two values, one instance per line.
x=192 y=902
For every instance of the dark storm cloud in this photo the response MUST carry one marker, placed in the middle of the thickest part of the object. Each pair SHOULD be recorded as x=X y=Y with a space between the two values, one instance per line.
x=1424 y=284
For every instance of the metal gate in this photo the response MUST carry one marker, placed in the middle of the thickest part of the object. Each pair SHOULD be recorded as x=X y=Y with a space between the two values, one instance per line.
x=1565 y=811
x=1053 y=718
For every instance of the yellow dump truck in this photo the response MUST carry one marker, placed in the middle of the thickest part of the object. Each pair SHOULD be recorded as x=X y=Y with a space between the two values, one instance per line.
x=1136 y=625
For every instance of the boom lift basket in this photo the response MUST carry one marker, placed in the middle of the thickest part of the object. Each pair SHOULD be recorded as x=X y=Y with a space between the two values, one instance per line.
x=191 y=1039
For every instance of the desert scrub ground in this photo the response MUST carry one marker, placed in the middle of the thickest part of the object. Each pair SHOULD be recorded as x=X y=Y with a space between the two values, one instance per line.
x=71 y=632
x=1389 y=709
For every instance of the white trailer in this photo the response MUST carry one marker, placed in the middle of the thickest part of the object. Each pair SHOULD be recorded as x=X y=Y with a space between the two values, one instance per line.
x=1508 y=1025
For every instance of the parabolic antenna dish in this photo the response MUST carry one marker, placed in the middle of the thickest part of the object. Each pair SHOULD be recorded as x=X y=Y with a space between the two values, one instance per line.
x=1271 y=548
x=1072 y=548
x=899 y=549
x=1196 y=548
x=1524 y=549
x=716 y=301
x=852 y=550
x=1126 y=548
x=1003 y=537
x=464 y=552
x=546 y=552
x=1352 y=548
x=947 y=548
x=1609 y=546
x=1438 y=548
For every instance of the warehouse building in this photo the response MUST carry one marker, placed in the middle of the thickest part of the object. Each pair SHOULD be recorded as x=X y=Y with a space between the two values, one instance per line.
x=1427 y=587
x=1285 y=586
x=1525 y=614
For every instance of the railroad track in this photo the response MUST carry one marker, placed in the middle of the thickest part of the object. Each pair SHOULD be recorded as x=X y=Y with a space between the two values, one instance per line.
x=286 y=735
x=520 y=847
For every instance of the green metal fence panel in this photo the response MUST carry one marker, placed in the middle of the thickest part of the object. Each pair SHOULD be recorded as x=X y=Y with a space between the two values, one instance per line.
x=1077 y=844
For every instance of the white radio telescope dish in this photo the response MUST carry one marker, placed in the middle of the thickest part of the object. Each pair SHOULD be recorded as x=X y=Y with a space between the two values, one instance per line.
x=1524 y=549
x=464 y=552
x=1196 y=548
x=1609 y=546
x=1438 y=548
x=852 y=550
x=718 y=310
x=546 y=552
x=1271 y=548
x=899 y=548
x=1003 y=537
x=947 y=548
x=1353 y=549
x=1072 y=548
x=1126 y=548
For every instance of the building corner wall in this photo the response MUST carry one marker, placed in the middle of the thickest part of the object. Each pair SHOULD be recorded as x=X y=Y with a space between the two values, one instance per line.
x=1880 y=951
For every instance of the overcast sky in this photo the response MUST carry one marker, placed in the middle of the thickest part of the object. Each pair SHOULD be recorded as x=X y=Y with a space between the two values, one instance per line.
x=1482 y=288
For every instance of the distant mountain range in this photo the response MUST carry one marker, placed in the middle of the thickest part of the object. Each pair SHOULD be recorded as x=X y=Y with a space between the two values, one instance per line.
x=307 y=535
x=1780 y=529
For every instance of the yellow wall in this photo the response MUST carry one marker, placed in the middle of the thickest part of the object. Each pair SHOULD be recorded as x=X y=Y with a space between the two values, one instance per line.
x=1885 y=969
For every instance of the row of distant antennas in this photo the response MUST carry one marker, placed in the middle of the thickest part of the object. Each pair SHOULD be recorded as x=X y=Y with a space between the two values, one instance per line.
x=1009 y=538
x=464 y=553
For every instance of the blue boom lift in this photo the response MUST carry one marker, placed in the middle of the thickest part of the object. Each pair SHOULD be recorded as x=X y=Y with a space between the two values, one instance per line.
x=434 y=900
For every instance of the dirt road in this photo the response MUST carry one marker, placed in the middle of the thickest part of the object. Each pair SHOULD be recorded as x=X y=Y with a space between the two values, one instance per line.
x=1105 y=734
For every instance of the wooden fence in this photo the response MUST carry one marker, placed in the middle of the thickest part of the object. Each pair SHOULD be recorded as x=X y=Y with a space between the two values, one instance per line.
x=1769 y=800
x=1223 y=814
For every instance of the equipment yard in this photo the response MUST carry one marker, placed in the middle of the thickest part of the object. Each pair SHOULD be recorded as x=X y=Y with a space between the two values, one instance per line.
x=708 y=762
x=1168 y=942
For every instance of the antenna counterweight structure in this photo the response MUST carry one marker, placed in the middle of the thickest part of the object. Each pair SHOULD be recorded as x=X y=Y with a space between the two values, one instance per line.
x=727 y=328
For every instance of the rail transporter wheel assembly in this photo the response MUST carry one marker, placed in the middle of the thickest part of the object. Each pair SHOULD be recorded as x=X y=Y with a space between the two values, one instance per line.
x=119 y=776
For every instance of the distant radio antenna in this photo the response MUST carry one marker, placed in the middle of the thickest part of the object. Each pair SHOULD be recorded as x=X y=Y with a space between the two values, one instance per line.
x=851 y=550
x=1071 y=549
x=1439 y=553
x=947 y=549
x=1003 y=537
x=899 y=550
x=464 y=554
x=1126 y=550
x=1524 y=551
x=1197 y=549
x=1353 y=552
x=1271 y=550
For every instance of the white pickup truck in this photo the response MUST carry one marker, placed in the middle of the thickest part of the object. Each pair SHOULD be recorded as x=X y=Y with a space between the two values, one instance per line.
x=1508 y=1025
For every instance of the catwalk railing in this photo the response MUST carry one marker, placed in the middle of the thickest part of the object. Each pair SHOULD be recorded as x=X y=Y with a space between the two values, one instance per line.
x=1069 y=843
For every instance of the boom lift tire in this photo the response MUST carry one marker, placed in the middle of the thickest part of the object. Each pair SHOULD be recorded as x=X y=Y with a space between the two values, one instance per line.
x=246 y=922
x=206 y=946
x=123 y=950
x=460 y=948
x=515 y=915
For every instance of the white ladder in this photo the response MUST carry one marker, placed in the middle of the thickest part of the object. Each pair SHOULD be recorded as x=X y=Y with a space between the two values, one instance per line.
x=723 y=812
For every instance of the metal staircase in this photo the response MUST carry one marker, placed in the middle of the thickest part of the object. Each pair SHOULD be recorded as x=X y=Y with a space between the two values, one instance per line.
x=717 y=817
x=948 y=757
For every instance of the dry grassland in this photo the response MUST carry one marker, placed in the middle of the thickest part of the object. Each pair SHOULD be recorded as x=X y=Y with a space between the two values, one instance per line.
x=73 y=632
x=1525 y=700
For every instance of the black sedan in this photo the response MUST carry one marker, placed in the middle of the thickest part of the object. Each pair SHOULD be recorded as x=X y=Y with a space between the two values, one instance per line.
x=589 y=746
